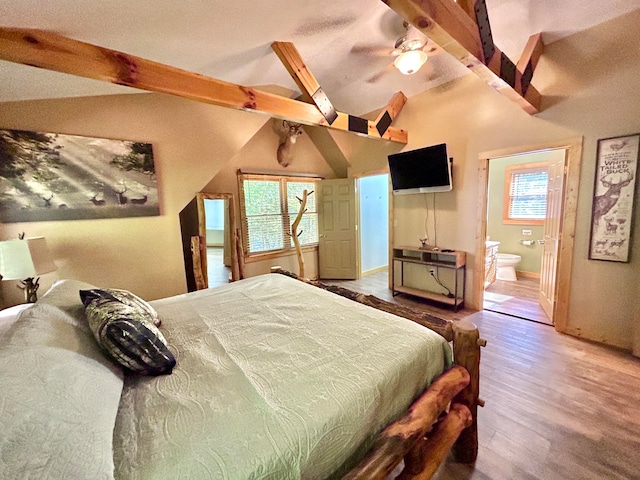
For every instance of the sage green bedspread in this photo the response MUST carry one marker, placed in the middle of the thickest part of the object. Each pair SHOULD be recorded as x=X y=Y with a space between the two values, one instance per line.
x=275 y=379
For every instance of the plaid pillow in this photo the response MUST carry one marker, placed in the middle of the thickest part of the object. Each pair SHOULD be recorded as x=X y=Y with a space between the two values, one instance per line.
x=125 y=326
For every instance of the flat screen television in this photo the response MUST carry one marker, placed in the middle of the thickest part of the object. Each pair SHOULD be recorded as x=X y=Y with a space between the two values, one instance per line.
x=423 y=170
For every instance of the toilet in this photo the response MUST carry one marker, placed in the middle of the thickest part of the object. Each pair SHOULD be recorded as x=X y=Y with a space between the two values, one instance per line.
x=507 y=266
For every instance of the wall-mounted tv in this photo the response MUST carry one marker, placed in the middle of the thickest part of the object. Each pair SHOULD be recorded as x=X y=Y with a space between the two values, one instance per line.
x=423 y=170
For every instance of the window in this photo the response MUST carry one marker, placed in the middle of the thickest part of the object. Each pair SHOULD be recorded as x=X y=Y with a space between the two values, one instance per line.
x=269 y=207
x=525 y=194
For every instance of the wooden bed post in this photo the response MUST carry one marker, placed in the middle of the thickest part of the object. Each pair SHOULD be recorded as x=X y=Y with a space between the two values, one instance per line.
x=466 y=353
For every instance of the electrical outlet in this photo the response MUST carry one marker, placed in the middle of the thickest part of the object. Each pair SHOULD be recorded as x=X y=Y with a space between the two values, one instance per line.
x=432 y=271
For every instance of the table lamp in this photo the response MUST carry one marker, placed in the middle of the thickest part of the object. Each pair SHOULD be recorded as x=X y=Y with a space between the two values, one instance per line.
x=25 y=259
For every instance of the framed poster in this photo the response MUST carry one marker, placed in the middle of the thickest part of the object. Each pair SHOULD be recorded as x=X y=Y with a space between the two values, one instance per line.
x=51 y=176
x=612 y=211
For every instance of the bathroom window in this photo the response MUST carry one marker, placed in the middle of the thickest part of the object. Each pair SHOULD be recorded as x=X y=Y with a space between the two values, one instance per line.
x=525 y=194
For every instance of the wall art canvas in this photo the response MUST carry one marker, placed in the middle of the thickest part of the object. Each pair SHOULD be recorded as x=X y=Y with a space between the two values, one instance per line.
x=51 y=176
x=612 y=212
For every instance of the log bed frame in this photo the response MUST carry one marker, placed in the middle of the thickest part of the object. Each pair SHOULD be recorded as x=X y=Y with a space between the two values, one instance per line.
x=444 y=417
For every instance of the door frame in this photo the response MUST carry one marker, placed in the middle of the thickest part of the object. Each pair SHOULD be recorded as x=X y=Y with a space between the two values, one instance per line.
x=573 y=149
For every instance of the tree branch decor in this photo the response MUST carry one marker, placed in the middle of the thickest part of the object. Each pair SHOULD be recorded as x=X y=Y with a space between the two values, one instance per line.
x=294 y=229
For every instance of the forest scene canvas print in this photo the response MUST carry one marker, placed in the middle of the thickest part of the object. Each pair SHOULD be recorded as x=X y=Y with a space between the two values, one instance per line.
x=51 y=176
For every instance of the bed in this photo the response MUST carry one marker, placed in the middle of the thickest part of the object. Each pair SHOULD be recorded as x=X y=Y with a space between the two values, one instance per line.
x=275 y=379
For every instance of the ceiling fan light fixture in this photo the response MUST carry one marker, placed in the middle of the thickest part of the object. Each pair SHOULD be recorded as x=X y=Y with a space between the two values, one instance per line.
x=410 y=62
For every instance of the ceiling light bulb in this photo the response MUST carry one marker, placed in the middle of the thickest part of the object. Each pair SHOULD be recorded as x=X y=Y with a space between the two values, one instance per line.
x=410 y=62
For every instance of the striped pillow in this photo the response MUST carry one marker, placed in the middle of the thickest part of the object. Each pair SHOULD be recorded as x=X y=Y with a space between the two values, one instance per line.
x=125 y=326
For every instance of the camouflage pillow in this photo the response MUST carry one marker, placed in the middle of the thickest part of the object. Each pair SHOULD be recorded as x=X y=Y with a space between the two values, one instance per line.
x=125 y=326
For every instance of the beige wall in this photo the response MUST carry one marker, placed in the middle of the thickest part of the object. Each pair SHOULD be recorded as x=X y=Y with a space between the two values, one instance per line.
x=191 y=142
x=590 y=87
x=259 y=156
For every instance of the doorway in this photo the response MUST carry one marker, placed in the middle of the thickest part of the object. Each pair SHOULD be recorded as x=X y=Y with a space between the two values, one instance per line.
x=353 y=219
x=374 y=220
x=217 y=240
x=516 y=217
x=558 y=251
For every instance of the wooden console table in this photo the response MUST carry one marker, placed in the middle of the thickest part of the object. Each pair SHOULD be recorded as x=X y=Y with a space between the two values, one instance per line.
x=453 y=260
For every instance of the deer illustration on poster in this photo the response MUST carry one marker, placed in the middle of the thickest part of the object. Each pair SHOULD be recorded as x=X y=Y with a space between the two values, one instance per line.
x=613 y=196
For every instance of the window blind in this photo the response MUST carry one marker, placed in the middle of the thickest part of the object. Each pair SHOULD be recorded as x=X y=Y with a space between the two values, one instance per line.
x=528 y=194
x=269 y=205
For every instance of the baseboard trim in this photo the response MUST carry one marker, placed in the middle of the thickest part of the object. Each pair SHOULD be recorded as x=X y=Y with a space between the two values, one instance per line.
x=520 y=273
x=375 y=270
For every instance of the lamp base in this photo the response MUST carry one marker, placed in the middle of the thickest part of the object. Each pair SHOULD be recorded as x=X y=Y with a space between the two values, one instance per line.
x=30 y=286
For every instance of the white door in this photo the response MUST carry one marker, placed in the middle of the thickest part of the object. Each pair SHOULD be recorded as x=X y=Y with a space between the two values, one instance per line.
x=337 y=229
x=555 y=195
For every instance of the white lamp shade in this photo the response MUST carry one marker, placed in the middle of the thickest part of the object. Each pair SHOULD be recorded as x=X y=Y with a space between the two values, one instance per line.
x=410 y=62
x=20 y=259
x=41 y=255
x=15 y=260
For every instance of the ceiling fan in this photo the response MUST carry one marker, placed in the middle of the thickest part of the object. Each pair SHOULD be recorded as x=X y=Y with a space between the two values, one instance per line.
x=409 y=50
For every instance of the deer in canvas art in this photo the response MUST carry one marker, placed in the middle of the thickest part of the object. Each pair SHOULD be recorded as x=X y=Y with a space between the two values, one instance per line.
x=47 y=200
x=140 y=201
x=288 y=142
x=98 y=202
x=120 y=195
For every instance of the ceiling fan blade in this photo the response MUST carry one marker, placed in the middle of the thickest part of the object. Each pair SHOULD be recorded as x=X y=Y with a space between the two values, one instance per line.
x=372 y=50
x=378 y=76
x=432 y=48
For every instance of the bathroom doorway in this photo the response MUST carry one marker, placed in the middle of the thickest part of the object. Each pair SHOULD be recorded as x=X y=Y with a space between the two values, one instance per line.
x=516 y=213
x=517 y=223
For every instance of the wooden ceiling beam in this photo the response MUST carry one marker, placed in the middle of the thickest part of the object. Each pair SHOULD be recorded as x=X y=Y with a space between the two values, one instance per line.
x=528 y=62
x=463 y=30
x=390 y=112
x=311 y=90
x=54 y=52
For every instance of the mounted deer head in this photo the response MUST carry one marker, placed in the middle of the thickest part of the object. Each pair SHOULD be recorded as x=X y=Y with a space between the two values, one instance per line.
x=287 y=142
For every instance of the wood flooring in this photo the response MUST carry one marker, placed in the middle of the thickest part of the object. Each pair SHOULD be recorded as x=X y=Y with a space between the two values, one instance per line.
x=519 y=299
x=378 y=284
x=217 y=273
x=557 y=407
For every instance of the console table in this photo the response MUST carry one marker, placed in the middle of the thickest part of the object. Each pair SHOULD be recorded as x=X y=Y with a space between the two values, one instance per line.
x=448 y=259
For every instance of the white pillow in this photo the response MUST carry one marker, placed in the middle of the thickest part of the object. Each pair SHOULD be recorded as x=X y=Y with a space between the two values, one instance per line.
x=59 y=393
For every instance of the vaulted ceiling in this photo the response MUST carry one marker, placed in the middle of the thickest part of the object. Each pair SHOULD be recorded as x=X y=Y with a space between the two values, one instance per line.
x=346 y=44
